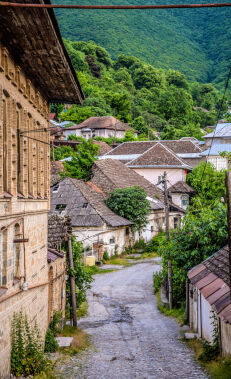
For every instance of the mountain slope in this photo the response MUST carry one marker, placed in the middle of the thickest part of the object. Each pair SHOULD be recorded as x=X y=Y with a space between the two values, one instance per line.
x=196 y=42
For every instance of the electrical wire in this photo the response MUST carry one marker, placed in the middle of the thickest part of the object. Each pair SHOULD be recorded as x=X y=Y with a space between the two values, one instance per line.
x=218 y=118
x=75 y=6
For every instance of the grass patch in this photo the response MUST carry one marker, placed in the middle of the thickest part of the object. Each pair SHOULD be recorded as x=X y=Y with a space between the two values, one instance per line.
x=96 y=270
x=177 y=313
x=81 y=340
x=151 y=254
x=219 y=368
x=82 y=310
x=118 y=261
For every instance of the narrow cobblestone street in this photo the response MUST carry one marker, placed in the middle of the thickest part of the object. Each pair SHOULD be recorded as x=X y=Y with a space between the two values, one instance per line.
x=131 y=338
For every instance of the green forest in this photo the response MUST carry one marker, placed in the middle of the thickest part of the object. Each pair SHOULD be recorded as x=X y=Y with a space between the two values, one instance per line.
x=194 y=41
x=146 y=97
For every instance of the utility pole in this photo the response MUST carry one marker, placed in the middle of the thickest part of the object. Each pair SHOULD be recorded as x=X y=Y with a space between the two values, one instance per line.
x=228 y=190
x=167 y=238
x=72 y=282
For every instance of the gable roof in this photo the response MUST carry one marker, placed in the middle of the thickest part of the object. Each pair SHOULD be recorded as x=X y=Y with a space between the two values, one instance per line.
x=140 y=147
x=84 y=205
x=120 y=176
x=104 y=147
x=222 y=130
x=181 y=187
x=158 y=156
x=211 y=277
x=33 y=39
x=104 y=122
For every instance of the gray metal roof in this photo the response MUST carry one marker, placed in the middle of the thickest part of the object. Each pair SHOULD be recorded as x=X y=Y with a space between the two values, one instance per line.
x=222 y=131
x=217 y=148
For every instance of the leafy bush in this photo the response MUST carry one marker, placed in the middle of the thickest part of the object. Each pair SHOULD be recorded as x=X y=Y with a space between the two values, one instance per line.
x=130 y=203
x=55 y=323
x=51 y=344
x=105 y=256
x=158 y=279
x=155 y=243
x=139 y=244
x=27 y=357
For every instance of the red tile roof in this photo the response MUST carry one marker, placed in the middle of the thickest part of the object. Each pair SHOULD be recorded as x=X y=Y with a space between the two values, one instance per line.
x=212 y=278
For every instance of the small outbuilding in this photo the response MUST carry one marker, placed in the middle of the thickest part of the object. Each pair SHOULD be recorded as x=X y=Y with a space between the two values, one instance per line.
x=209 y=299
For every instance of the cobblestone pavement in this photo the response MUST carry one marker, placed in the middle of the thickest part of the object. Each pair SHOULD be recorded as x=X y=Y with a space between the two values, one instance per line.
x=131 y=338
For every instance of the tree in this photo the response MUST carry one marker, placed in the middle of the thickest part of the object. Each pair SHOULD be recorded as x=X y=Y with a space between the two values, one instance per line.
x=139 y=124
x=83 y=277
x=148 y=77
x=129 y=135
x=177 y=79
x=81 y=161
x=208 y=182
x=202 y=234
x=132 y=204
x=62 y=152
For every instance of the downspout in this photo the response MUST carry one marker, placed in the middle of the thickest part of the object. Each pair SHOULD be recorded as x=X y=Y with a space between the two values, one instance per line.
x=200 y=315
x=187 y=300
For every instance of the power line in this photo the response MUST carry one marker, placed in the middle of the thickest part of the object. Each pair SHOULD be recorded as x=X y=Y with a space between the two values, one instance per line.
x=218 y=118
x=75 y=6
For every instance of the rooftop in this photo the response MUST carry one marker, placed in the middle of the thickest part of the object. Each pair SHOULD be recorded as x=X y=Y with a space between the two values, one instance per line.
x=104 y=122
x=181 y=187
x=34 y=41
x=217 y=148
x=140 y=147
x=211 y=277
x=158 y=156
x=221 y=130
x=84 y=204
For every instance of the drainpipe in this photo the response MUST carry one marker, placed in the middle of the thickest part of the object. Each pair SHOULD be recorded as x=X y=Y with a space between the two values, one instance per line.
x=187 y=300
x=200 y=315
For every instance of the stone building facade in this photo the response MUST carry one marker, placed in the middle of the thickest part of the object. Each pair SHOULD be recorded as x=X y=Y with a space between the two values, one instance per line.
x=26 y=65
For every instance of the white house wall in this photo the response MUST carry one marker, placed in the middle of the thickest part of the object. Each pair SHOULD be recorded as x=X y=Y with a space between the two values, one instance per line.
x=174 y=175
x=90 y=235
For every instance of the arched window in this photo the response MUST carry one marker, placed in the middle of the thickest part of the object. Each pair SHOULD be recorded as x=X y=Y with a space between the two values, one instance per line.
x=17 y=251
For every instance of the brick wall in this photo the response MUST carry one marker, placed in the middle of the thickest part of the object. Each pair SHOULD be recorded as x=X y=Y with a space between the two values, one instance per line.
x=24 y=204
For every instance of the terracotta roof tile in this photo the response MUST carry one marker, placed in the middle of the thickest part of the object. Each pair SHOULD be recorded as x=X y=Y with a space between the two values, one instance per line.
x=181 y=187
x=158 y=156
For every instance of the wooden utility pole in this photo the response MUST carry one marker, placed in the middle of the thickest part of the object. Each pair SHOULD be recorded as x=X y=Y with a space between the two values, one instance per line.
x=72 y=283
x=167 y=238
x=228 y=194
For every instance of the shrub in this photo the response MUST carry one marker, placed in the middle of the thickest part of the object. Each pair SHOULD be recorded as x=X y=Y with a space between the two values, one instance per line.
x=139 y=244
x=27 y=357
x=51 y=344
x=157 y=281
x=55 y=323
x=155 y=242
x=105 y=256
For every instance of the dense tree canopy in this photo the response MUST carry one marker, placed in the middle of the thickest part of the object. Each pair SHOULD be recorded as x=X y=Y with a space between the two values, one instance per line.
x=132 y=204
x=140 y=94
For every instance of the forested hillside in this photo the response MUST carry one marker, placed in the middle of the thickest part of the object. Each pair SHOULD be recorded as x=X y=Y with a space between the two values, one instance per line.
x=194 y=41
x=140 y=94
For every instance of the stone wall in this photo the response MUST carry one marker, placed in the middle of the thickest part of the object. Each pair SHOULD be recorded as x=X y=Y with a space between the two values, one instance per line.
x=24 y=202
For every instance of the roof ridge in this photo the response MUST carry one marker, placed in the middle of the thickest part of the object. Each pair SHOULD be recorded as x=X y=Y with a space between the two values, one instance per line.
x=142 y=153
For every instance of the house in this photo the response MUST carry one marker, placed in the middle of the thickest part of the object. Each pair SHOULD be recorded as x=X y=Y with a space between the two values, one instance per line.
x=93 y=223
x=209 y=299
x=109 y=174
x=105 y=126
x=185 y=148
x=159 y=159
x=33 y=72
x=220 y=135
x=180 y=193
x=215 y=143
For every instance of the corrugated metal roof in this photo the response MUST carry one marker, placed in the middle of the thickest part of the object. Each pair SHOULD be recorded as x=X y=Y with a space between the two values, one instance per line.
x=222 y=130
x=217 y=148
